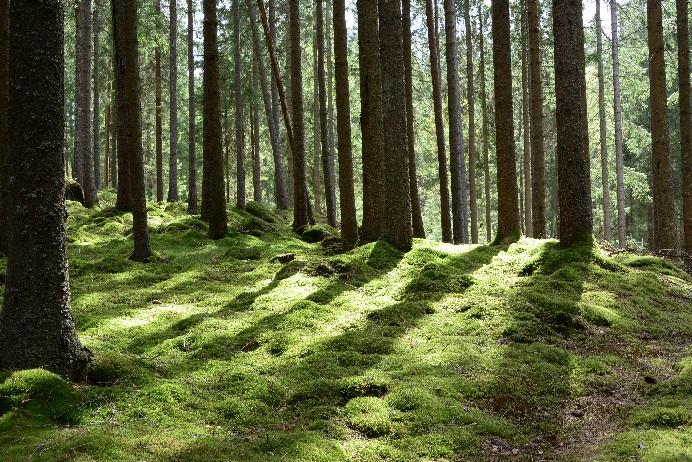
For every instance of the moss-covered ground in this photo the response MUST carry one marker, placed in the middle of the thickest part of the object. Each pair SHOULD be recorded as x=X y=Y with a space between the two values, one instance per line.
x=262 y=347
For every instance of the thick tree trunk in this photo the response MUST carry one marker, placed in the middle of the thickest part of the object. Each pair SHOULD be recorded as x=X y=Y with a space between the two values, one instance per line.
x=371 y=119
x=574 y=181
x=473 y=192
x=456 y=140
x=536 y=113
x=192 y=122
x=507 y=205
x=396 y=223
x=36 y=327
x=685 y=119
x=347 y=196
x=173 y=195
x=213 y=195
x=602 y=125
x=158 y=116
x=526 y=128
x=664 y=235
x=4 y=100
x=97 y=97
x=484 y=111
x=433 y=46
x=619 y=142
x=124 y=13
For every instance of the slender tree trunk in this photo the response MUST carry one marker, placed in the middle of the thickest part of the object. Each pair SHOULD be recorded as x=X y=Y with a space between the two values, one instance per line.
x=664 y=235
x=97 y=95
x=226 y=138
x=173 y=195
x=238 y=115
x=78 y=162
x=192 y=122
x=88 y=185
x=347 y=196
x=507 y=207
x=456 y=139
x=212 y=195
x=4 y=100
x=536 y=114
x=433 y=45
x=371 y=119
x=473 y=192
x=484 y=111
x=619 y=142
x=416 y=213
x=526 y=126
x=329 y=58
x=282 y=201
x=254 y=124
x=113 y=161
x=159 y=118
x=316 y=131
x=36 y=326
x=574 y=182
x=685 y=119
x=602 y=125
x=287 y=74
x=107 y=146
x=124 y=15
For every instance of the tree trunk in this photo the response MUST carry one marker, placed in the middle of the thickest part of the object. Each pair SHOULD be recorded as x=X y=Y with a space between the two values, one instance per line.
x=226 y=139
x=526 y=126
x=173 y=195
x=192 y=123
x=159 y=121
x=574 y=182
x=78 y=162
x=602 y=125
x=433 y=45
x=484 y=111
x=238 y=115
x=255 y=140
x=125 y=44
x=619 y=142
x=536 y=114
x=396 y=223
x=87 y=154
x=283 y=200
x=97 y=95
x=664 y=235
x=287 y=73
x=507 y=206
x=316 y=132
x=416 y=214
x=107 y=147
x=473 y=192
x=212 y=196
x=347 y=196
x=113 y=161
x=371 y=119
x=456 y=139
x=4 y=100
x=685 y=120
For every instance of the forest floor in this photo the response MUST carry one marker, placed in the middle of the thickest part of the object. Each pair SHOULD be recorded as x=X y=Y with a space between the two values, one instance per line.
x=262 y=347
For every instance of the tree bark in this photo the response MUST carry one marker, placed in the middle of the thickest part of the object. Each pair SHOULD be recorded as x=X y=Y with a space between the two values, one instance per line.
x=507 y=207
x=173 y=195
x=605 y=183
x=85 y=121
x=685 y=119
x=255 y=140
x=78 y=161
x=238 y=115
x=619 y=142
x=4 y=101
x=316 y=132
x=158 y=115
x=213 y=201
x=97 y=97
x=192 y=122
x=526 y=127
x=536 y=114
x=283 y=200
x=484 y=112
x=113 y=161
x=470 y=89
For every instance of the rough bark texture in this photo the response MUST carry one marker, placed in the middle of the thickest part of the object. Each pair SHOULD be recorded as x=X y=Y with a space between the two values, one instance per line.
x=619 y=142
x=192 y=122
x=4 y=100
x=158 y=116
x=536 y=114
x=238 y=115
x=123 y=200
x=507 y=205
x=526 y=129
x=85 y=121
x=470 y=92
x=126 y=62
x=396 y=222
x=416 y=213
x=97 y=97
x=685 y=120
x=371 y=119
x=456 y=139
x=213 y=195
x=36 y=327
x=664 y=234
x=574 y=181
x=484 y=111
x=173 y=195
x=347 y=196
x=605 y=177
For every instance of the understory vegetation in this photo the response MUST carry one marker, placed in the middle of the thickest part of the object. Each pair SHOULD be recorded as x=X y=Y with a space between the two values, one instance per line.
x=264 y=347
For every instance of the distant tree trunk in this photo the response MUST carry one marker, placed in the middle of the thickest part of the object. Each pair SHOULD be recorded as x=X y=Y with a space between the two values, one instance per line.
x=159 y=118
x=212 y=196
x=316 y=132
x=602 y=125
x=347 y=196
x=456 y=139
x=396 y=222
x=574 y=182
x=664 y=235
x=371 y=119
x=238 y=115
x=484 y=111
x=36 y=326
x=526 y=126
x=416 y=214
x=685 y=120
x=113 y=161
x=507 y=206
x=289 y=150
x=255 y=140
x=78 y=162
x=329 y=58
x=226 y=142
x=124 y=13
x=192 y=123
x=473 y=192
x=97 y=95
x=282 y=202
x=619 y=142
x=88 y=185
x=536 y=113
x=327 y=161
x=173 y=195
x=4 y=100
x=433 y=45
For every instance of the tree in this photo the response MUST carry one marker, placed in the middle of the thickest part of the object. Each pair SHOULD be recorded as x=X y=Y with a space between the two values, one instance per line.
x=84 y=110
x=349 y=222
x=239 y=118
x=470 y=91
x=507 y=207
x=526 y=126
x=685 y=120
x=484 y=112
x=664 y=236
x=433 y=46
x=605 y=183
x=97 y=96
x=536 y=114
x=192 y=123
x=619 y=142
x=4 y=100
x=79 y=53
x=574 y=182
x=371 y=119
x=213 y=203
x=283 y=199
x=158 y=116
x=125 y=45
x=316 y=131
x=255 y=140
x=36 y=326
x=173 y=195
x=396 y=223
x=456 y=140
x=416 y=214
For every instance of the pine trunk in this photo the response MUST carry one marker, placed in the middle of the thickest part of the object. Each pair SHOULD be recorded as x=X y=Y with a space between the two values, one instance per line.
x=605 y=180
x=470 y=91
x=536 y=114
x=685 y=120
x=97 y=98
x=316 y=132
x=526 y=128
x=85 y=120
x=4 y=100
x=158 y=116
x=255 y=140
x=485 y=134
x=173 y=195
x=192 y=122
x=283 y=200
x=619 y=141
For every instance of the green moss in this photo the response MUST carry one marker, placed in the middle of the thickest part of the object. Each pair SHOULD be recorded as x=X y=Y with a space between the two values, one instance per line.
x=39 y=392
x=371 y=416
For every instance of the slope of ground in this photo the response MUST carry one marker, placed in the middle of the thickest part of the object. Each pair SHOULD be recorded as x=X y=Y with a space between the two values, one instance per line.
x=261 y=347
